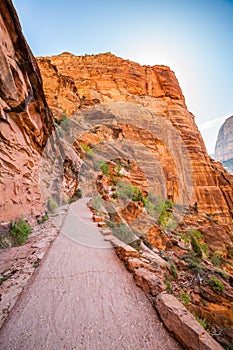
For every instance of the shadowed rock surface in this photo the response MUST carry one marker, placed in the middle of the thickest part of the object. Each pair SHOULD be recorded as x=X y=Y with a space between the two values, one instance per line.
x=25 y=121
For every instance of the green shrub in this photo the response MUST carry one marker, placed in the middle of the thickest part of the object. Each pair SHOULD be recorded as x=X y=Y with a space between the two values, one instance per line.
x=193 y=262
x=20 y=230
x=63 y=124
x=118 y=170
x=144 y=201
x=202 y=322
x=137 y=197
x=36 y=264
x=79 y=193
x=43 y=219
x=72 y=199
x=97 y=203
x=194 y=237
x=196 y=247
x=88 y=150
x=121 y=231
x=215 y=284
x=125 y=190
x=223 y=275
x=217 y=258
x=52 y=205
x=5 y=278
x=161 y=209
x=104 y=167
x=167 y=283
x=185 y=298
x=173 y=270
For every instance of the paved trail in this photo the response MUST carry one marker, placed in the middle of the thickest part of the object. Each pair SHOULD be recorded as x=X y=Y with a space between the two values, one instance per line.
x=83 y=298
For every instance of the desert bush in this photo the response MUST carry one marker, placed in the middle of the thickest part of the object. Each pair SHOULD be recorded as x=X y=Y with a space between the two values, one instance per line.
x=104 y=167
x=217 y=258
x=20 y=230
x=43 y=219
x=122 y=231
x=202 y=322
x=196 y=247
x=79 y=193
x=194 y=237
x=72 y=199
x=173 y=270
x=193 y=262
x=125 y=190
x=88 y=150
x=185 y=298
x=215 y=284
x=167 y=283
x=52 y=204
x=118 y=170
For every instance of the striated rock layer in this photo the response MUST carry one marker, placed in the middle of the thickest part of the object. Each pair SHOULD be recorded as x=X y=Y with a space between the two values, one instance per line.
x=105 y=79
x=25 y=121
x=224 y=144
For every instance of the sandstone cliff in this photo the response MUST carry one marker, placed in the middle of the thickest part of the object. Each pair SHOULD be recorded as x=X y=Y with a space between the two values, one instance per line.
x=25 y=122
x=224 y=145
x=105 y=79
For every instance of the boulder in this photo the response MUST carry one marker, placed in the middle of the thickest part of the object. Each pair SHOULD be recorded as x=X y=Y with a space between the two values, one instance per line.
x=148 y=281
x=123 y=250
x=183 y=325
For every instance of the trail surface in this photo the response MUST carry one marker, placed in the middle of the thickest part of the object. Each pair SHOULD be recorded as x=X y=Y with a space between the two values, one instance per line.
x=82 y=298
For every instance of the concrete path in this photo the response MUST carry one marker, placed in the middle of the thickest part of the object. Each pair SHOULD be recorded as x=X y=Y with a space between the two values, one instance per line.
x=83 y=298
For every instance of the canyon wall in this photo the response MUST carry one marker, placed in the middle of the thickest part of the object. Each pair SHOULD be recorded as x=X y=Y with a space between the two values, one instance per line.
x=224 y=144
x=105 y=79
x=25 y=121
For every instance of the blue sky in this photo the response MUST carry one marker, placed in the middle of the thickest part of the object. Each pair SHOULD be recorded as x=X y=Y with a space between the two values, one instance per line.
x=194 y=38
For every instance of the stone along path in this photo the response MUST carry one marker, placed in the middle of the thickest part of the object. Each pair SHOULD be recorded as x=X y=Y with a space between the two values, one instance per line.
x=83 y=298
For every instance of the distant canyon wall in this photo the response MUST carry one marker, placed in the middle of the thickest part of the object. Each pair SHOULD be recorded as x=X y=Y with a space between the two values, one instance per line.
x=224 y=144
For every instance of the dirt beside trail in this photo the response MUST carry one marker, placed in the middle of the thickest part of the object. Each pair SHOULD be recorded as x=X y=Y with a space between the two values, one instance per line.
x=82 y=298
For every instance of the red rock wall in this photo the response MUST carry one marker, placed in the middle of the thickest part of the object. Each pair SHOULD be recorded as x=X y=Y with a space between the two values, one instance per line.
x=106 y=78
x=25 y=121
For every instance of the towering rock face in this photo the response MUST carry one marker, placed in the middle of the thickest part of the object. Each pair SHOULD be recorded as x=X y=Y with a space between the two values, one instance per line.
x=25 y=121
x=224 y=144
x=61 y=92
x=105 y=79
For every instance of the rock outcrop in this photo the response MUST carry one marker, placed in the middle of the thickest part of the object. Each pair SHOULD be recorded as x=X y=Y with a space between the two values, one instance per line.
x=183 y=325
x=106 y=79
x=224 y=144
x=60 y=90
x=25 y=121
